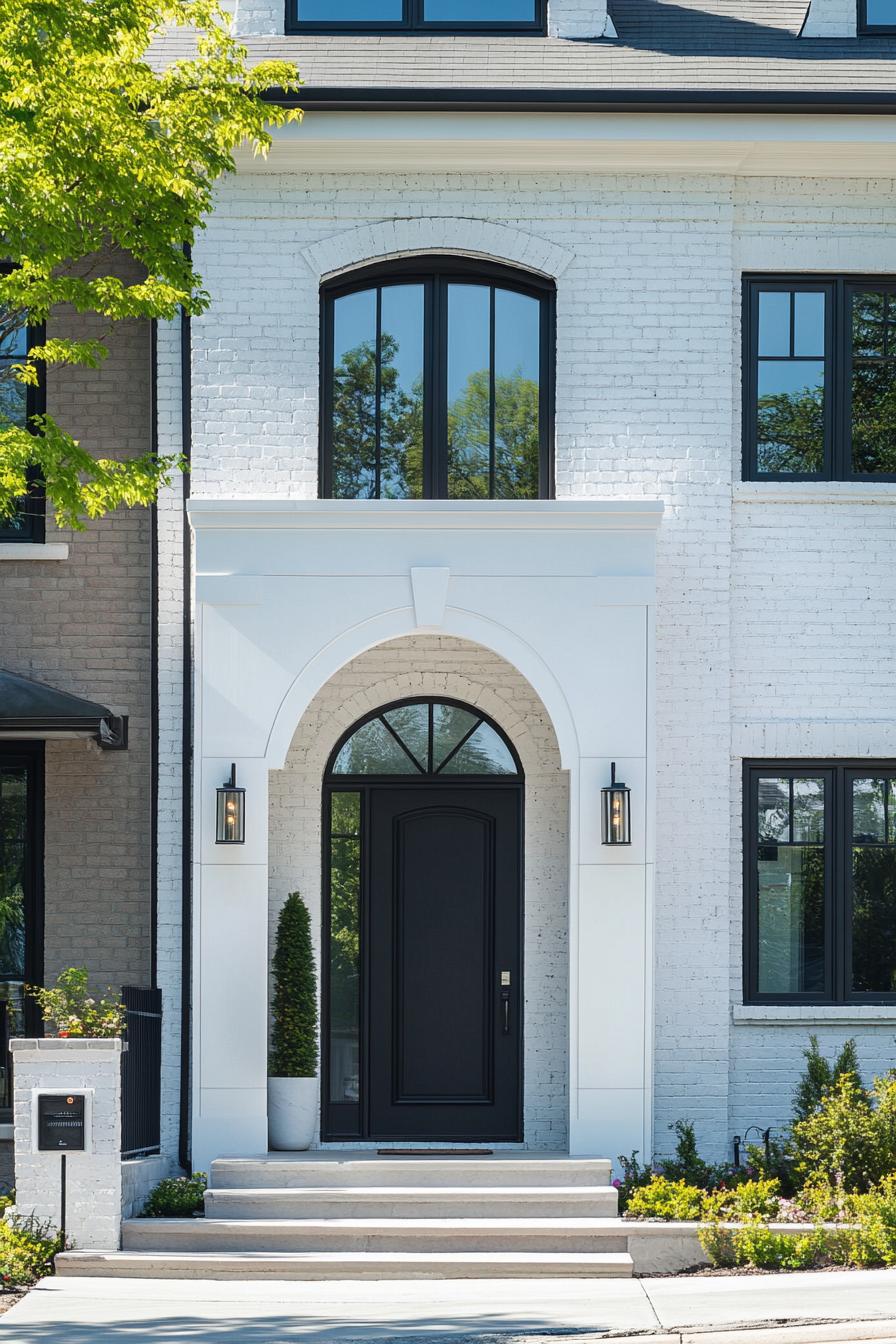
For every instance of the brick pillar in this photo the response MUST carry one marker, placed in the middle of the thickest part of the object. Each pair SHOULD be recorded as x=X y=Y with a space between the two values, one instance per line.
x=93 y=1195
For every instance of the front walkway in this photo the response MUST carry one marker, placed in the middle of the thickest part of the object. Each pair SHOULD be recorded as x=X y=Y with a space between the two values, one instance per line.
x=147 y=1311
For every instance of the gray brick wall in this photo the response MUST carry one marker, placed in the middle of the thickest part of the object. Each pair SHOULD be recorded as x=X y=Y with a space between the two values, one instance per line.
x=84 y=625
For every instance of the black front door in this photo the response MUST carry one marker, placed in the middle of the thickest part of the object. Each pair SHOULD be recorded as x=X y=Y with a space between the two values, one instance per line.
x=444 y=992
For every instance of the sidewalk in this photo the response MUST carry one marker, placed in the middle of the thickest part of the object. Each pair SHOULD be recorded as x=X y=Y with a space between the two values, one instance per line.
x=148 y=1311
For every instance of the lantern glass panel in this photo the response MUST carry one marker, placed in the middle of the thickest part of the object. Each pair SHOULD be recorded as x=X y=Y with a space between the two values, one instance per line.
x=231 y=828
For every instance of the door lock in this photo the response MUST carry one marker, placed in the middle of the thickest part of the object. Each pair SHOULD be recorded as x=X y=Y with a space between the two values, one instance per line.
x=505 y=1001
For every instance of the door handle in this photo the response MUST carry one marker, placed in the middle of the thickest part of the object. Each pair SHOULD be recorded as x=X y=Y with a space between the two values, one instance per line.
x=505 y=1001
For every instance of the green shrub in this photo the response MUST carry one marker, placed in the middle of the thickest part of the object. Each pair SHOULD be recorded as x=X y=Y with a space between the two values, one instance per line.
x=873 y=1242
x=176 y=1197
x=294 y=1009
x=634 y=1176
x=673 y=1201
x=757 y=1245
x=750 y=1199
x=27 y=1251
x=73 y=1011
x=850 y=1140
x=821 y=1077
x=687 y=1164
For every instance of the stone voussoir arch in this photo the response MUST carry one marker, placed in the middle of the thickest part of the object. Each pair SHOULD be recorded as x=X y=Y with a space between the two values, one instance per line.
x=459 y=236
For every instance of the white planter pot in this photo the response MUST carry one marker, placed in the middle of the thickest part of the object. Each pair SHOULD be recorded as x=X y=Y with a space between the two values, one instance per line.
x=292 y=1113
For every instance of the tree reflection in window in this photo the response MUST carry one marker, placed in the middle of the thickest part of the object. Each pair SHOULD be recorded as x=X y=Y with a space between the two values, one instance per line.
x=436 y=390
x=873 y=389
x=345 y=947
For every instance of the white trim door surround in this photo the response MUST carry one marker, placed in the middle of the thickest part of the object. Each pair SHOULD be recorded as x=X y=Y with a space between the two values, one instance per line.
x=288 y=592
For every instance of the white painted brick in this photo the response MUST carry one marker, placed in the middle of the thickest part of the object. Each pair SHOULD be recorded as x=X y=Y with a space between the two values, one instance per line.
x=93 y=1185
x=776 y=631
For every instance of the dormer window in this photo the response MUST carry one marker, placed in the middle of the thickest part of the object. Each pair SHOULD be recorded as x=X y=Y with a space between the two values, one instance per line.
x=415 y=16
x=877 y=16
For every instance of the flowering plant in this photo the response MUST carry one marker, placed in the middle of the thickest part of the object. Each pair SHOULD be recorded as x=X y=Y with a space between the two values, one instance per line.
x=74 y=1012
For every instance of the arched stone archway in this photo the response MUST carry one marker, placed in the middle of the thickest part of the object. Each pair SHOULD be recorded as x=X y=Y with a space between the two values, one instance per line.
x=425 y=665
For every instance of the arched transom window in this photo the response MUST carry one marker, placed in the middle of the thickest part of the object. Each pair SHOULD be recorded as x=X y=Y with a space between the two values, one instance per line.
x=425 y=737
x=437 y=383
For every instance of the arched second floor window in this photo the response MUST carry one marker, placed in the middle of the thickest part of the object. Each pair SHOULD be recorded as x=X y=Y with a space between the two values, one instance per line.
x=437 y=383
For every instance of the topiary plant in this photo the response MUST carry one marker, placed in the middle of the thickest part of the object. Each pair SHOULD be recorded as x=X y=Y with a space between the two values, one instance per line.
x=294 y=1035
x=821 y=1076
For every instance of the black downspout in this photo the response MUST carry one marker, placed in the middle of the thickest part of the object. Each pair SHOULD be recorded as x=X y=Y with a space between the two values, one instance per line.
x=154 y=669
x=187 y=750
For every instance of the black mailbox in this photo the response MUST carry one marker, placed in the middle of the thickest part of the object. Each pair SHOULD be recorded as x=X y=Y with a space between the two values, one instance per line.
x=60 y=1123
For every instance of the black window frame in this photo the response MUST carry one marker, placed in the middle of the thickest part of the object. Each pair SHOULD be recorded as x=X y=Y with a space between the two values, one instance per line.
x=866 y=29
x=838 y=774
x=31 y=755
x=412 y=22
x=839 y=290
x=435 y=272
x=35 y=404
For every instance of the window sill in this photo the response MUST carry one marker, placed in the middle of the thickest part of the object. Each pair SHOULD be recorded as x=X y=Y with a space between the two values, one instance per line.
x=33 y=550
x=814 y=492
x=840 y=1013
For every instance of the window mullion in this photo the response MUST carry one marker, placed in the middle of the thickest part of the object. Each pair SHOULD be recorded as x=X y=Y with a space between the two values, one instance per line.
x=378 y=394
x=438 y=380
x=491 y=393
x=413 y=13
x=837 y=884
x=839 y=410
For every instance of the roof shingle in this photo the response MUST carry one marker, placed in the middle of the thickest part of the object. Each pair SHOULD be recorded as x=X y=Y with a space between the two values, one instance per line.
x=675 y=45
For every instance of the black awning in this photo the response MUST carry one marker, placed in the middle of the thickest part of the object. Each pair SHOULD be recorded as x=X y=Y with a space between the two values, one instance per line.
x=31 y=709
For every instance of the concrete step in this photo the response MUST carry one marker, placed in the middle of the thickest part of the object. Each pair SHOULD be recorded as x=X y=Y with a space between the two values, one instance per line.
x=374 y=1201
x=345 y=1265
x=394 y=1235
x=345 y=1168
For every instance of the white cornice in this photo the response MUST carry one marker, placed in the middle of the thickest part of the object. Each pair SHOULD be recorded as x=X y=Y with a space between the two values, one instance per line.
x=747 y=144
x=426 y=515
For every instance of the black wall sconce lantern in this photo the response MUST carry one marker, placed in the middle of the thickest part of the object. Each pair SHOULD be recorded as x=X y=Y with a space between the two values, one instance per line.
x=616 y=799
x=231 y=820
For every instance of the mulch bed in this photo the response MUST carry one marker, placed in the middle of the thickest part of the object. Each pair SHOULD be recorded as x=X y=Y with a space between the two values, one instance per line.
x=744 y=1272
x=10 y=1298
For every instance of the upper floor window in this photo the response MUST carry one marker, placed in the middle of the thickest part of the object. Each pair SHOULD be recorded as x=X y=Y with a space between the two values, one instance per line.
x=437 y=383
x=820 y=889
x=453 y=16
x=17 y=404
x=820 y=379
x=877 y=16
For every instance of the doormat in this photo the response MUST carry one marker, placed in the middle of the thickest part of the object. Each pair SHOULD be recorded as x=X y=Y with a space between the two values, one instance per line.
x=435 y=1152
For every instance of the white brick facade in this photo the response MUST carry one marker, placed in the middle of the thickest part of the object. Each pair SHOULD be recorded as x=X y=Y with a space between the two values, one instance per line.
x=775 y=624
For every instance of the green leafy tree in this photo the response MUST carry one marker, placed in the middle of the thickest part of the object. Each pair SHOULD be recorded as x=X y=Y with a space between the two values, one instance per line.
x=100 y=153
x=294 y=1010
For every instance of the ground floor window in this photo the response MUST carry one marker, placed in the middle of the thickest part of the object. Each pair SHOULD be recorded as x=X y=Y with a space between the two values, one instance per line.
x=21 y=906
x=820 y=881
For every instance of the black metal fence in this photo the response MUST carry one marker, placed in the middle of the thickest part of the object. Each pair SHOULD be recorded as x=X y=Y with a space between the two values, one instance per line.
x=141 y=1072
